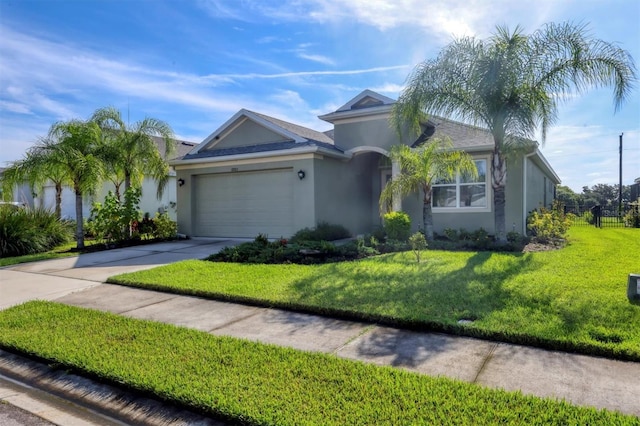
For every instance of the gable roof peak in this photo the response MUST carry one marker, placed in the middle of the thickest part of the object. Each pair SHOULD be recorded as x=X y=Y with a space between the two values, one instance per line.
x=366 y=99
x=366 y=104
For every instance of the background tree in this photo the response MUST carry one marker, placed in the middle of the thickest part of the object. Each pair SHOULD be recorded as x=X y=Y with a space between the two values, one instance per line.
x=568 y=198
x=36 y=169
x=130 y=151
x=511 y=84
x=420 y=168
x=604 y=194
x=72 y=147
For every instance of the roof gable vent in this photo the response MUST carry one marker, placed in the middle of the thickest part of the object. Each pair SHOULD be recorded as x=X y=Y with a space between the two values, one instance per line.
x=367 y=102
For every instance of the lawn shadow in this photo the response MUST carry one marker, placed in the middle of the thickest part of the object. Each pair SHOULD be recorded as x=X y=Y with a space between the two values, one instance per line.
x=431 y=296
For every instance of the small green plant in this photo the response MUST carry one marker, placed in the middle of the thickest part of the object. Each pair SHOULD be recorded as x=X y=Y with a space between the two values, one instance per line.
x=397 y=226
x=418 y=243
x=451 y=234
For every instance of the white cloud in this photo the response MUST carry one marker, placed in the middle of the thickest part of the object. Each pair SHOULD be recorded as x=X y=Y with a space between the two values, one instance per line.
x=17 y=107
x=442 y=18
x=317 y=58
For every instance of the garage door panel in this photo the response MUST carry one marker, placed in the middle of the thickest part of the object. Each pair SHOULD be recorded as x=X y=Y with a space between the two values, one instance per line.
x=244 y=204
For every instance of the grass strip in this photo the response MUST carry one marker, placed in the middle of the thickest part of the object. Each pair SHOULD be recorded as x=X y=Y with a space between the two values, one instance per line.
x=257 y=384
x=572 y=299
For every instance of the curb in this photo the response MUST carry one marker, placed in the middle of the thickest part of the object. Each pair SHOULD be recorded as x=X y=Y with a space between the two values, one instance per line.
x=102 y=399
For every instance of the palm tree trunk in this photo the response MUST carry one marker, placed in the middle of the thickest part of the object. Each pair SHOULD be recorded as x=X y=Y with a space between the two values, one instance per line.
x=127 y=181
x=79 y=220
x=427 y=215
x=499 y=183
x=58 y=200
x=117 y=185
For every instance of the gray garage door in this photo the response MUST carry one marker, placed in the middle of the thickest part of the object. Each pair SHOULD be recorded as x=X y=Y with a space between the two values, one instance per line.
x=244 y=204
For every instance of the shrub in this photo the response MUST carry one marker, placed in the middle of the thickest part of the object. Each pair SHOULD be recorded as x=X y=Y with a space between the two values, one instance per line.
x=28 y=231
x=379 y=234
x=418 y=243
x=163 y=227
x=464 y=235
x=588 y=217
x=282 y=251
x=397 y=226
x=147 y=227
x=514 y=237
x=547 y=225
x=451 y=234
x=480 y=239
x=113 y=221
x=323 y=232
x=632 y=218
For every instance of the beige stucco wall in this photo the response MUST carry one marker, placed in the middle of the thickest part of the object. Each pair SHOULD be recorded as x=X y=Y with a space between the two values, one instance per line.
x=347 y=192
x=371 y=132
x=248 y=133
x=540 y=189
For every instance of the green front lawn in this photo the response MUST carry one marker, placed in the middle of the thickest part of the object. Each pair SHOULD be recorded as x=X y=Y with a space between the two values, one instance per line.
x=571 y=299
x=255 y=384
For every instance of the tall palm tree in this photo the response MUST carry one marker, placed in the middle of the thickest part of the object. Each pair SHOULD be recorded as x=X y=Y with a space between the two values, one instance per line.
x=131 y=151
x=73 y=147
x=511 y=84
x=36 y=169
x=420 y=168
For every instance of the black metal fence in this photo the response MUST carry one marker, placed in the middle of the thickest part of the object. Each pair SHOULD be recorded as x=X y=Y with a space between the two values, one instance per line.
x=606 y=218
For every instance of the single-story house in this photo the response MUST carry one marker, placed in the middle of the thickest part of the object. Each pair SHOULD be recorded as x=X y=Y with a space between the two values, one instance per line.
x=258 y=174
x=149 y=202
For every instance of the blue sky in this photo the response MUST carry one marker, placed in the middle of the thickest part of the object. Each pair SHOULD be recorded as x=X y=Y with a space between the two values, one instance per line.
x=194 y=63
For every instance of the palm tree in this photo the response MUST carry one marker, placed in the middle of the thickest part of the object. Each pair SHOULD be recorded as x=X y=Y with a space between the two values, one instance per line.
x=131 y=152
x=36 y=169
x=511 y=84
x=72 y=147
x=420 y=168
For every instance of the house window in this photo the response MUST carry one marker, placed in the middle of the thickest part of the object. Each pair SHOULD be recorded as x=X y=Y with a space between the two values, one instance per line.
x=462 y=192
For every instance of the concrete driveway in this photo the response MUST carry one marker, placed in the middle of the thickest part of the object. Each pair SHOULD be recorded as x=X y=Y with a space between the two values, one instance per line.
x=51 y=279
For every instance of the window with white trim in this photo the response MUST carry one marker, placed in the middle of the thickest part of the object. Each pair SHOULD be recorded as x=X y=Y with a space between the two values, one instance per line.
x=462 y=192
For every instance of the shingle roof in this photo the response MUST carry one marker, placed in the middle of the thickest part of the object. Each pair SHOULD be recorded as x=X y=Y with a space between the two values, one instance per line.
x=265 y=147
x=463 y=136
x=302 y=131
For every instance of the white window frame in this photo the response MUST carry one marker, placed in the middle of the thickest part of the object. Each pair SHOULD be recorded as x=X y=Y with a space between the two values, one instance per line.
x=488 y=193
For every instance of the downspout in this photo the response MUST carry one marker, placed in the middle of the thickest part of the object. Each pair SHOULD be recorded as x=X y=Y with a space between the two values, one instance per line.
x=524 y=190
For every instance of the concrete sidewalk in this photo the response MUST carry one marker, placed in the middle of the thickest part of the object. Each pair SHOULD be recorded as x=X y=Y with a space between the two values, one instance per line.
x=582 y=380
